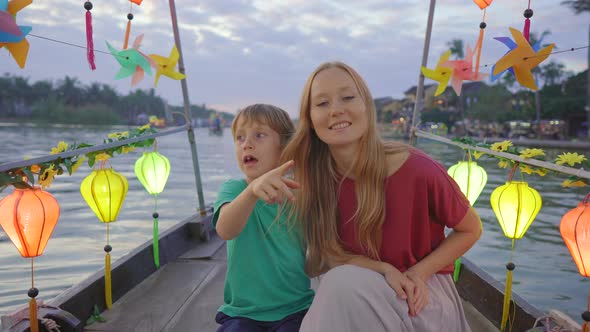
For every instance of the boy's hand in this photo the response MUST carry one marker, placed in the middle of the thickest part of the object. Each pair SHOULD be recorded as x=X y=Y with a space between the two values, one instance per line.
x=272 y=187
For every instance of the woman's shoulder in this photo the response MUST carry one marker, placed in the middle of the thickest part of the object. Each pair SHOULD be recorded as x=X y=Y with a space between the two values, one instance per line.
x=407 y=158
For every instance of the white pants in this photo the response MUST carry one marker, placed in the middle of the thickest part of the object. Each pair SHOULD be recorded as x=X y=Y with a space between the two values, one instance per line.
x=351 y=298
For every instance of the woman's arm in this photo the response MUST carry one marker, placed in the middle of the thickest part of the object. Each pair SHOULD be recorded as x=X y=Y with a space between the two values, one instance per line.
x=463 y=237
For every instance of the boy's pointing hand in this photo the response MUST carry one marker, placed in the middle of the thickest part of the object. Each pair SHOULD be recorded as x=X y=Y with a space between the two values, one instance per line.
x=273 y=186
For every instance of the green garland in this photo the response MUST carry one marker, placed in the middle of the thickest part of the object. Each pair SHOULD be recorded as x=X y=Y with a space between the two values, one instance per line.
x=24 y=177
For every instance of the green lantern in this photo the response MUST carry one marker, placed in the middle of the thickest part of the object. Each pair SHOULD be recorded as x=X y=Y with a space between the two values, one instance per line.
x=470 y=177
x=152 y=170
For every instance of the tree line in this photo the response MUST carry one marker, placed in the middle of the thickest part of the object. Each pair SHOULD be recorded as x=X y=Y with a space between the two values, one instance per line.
x=70 y=102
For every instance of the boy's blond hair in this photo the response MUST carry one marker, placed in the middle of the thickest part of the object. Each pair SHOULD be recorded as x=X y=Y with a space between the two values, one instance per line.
x=274 y=117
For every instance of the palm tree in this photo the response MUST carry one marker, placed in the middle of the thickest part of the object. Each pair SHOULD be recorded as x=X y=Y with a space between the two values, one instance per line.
x=456 y=46
x=581 y=6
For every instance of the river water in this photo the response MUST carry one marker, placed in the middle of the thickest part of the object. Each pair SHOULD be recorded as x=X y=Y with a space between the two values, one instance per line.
x=546 y=275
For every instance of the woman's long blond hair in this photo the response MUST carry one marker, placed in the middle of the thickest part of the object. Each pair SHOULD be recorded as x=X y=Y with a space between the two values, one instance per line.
x=316 y=204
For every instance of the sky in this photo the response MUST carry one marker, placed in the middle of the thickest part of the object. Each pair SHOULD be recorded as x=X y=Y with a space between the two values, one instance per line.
x=239 y=52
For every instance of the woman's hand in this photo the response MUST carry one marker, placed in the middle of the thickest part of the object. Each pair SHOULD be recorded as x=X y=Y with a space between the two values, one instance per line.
x=401 y=284
x=419 y=297
x=272 y=187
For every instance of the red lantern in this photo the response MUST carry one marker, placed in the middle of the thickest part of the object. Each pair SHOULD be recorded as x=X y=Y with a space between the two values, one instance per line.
x=28 y=217
x=575 y=231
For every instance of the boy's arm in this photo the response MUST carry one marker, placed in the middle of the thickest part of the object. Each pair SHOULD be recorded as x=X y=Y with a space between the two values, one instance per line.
x=234 y=215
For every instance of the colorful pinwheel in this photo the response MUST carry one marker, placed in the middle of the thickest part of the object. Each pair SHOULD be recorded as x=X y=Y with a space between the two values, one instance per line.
x=511 y=45
x=11 y=35
x=133 y=62
x=522 y=59
x=166 y=65
x=441 y=74
x=463 y=71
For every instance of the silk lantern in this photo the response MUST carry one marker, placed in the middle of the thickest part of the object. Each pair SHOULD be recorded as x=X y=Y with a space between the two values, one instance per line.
x=152 y=170
x=482 y=4
x=575 y=231
x=28 y=216
x=515 y=205
x=470 y=177
x=104 y=190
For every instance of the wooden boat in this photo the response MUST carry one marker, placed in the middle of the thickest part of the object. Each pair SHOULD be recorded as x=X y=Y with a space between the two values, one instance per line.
x=184 y=294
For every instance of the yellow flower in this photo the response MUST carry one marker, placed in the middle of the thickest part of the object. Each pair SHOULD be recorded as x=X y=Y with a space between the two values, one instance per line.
x=119 y=136
x=61 y=147
x=102 y=156
x=569 y=158
x=127 y=149
x=77 y=164
x=501 y=146
x=570 y=183
x=46 y=178
x=503 y=163
x=531 y=153
x=526 y=169
x=146 y=126
x=542 y=171
x=477 y=154
x=35 y=168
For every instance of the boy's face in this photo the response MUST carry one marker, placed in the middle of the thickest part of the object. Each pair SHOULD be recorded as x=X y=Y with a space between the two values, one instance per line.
x=257 y=147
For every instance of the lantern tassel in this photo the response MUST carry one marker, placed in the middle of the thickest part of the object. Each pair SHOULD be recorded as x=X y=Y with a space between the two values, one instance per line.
x=127 y=32
x=478 y=46
x=34 y=324
x=156 y=244
x=107 y=281
x=89 y=42
x=527 y=29
x=507 y=296
x=457 y=270
x=585 y=327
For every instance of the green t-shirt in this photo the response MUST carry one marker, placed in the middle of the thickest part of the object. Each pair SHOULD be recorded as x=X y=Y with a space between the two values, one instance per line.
x=265 y=278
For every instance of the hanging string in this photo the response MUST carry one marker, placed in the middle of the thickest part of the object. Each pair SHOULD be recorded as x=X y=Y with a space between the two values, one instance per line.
x=508 y=291
x=479 y=44
x=128 y=29
x=528 y=13
x=156 y=236
x=33 y=292
x=89 y=41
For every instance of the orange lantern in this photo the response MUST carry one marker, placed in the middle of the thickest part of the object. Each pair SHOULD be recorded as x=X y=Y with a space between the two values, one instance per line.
x=483 y=3
x=575 y=231
x=28 y=216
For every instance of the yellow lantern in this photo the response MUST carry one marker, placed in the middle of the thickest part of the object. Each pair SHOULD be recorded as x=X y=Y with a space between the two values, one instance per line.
x=152 y=170
x=104 y=190
x=470 y=177
x=516 y=205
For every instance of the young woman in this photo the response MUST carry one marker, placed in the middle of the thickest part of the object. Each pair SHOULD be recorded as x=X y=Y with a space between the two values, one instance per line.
x=373 y=215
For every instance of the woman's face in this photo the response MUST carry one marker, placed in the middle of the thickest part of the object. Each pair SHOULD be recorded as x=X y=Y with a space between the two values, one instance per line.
x=338 y=113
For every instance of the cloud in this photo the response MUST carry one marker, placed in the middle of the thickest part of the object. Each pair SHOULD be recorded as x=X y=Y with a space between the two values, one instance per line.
x=239 y=52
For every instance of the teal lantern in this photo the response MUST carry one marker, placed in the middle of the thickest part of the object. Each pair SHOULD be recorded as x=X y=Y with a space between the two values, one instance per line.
x=152 y=170
x=470 y=177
